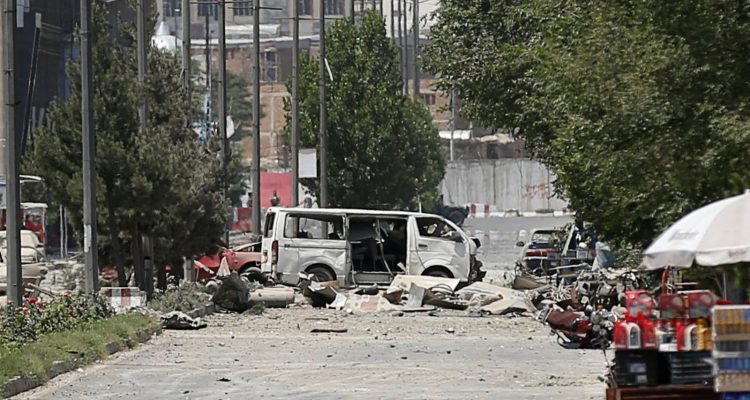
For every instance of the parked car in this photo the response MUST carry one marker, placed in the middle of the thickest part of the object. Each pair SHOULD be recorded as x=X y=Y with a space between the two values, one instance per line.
x=540 y=253
x=241 y=259
x=357 y=247
x=32 y=250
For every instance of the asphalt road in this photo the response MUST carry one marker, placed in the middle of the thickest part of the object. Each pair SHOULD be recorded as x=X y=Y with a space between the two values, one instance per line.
x=381 y=356
x=498 y=236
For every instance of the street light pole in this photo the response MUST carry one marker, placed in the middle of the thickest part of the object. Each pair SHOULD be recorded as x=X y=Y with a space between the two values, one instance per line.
x=186 y=75
x=351 y=11
x=415 y=29
x=89 y=155
x=405 y=46
x=15 y=287
x=323 y=200
x=223 y=111
x=256 y=119
x=295 y=100
x=400 y=48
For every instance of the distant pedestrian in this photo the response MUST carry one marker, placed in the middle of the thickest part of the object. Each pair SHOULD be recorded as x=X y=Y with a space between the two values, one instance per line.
x=275 y=200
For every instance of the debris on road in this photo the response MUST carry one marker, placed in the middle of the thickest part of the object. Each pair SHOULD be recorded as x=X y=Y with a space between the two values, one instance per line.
x=180 y=320
x=329 y=330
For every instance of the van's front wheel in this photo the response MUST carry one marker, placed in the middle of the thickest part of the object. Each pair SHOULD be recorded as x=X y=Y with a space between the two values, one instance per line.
x=321 y=274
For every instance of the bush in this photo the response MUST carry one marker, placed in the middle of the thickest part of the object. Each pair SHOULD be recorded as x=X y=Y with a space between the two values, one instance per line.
x=20 y=325
x=186 y=297
x=78 y=346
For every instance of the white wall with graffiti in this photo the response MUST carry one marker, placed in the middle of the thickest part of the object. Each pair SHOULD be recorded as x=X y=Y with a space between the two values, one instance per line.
x=505 y=184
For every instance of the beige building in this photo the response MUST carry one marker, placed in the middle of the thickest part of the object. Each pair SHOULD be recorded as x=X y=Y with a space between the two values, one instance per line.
x=239 y=12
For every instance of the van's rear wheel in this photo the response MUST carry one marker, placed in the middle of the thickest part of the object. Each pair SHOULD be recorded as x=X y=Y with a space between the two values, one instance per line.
x=321 y=274
x=438 y=272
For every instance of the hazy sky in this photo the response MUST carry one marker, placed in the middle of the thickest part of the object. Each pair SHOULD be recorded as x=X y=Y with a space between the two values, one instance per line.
x=425 y=7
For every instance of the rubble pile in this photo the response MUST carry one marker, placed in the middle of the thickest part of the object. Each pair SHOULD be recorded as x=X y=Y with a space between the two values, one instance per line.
x=581 y=309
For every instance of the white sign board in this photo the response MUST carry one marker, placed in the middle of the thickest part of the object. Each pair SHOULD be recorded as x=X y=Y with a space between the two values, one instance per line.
x=308 y=163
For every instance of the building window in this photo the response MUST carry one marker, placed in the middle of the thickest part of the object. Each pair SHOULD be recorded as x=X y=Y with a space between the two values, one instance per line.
x=243 y=8
x=335 y=7
x=172 y=8
x=208 y=9
x=429 y=98
x=305 y=7
x=270 y=66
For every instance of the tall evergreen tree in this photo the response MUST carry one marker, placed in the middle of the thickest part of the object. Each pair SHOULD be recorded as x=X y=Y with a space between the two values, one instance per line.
x=383 y=150
x=161 y=182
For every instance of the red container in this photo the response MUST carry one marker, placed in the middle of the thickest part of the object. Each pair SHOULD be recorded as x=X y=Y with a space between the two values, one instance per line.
x=700 y=303
x=620 y=335
x=648 y=332
x=671 y=306
x=639 y=302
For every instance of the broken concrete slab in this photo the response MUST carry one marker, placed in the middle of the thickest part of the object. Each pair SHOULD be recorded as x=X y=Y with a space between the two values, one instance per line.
x=416 y=296
x=436 y=300
x=526 y=283
x=509 y=300
x=319 y=294
x=369 y=304
x=434 y=283
x=393 y=295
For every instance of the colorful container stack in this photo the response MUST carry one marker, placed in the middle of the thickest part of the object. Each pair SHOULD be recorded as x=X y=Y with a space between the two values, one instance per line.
x=731 y=353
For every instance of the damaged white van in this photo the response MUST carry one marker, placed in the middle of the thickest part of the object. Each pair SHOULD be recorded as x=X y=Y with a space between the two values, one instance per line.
x=356 y=247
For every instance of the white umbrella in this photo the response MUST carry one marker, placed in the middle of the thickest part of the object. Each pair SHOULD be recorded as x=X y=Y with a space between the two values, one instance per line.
x=716 y=234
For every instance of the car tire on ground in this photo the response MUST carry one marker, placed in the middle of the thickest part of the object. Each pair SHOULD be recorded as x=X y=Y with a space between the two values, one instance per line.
x=321 y=274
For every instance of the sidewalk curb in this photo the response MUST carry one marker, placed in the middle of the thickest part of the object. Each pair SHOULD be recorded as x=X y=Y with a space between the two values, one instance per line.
x=21 y=384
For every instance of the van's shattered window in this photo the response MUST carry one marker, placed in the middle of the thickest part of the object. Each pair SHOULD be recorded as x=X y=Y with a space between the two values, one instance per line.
x=268 y=229
x=330 y=227
x=433 y=227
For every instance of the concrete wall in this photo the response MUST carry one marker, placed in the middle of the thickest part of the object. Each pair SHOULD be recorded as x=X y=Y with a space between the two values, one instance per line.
x=504 y=184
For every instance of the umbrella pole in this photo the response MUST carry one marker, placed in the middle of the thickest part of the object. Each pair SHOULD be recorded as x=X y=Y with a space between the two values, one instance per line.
x=724 y=279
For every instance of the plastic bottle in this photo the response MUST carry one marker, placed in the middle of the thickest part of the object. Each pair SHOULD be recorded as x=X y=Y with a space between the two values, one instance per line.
x=648 y=333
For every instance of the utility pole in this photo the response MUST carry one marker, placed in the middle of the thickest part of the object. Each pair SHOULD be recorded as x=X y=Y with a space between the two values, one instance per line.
x=453 y=119
x=393 y=37
x=223 y=112
x=415 y=29
x=400 y=47
x=323 y=200
x=209 y=84
x=141 y=269
x=89 y=155
x=256 y=119
x=405 y=46
x=295 y=99
x=186 y=75
x=12 y=204
x=351 y=11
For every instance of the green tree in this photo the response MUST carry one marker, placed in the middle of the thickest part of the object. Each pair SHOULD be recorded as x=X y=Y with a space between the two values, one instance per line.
x=239 y=104
x=383 y=150
x=161 y=182
x=639 y=107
